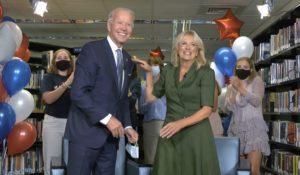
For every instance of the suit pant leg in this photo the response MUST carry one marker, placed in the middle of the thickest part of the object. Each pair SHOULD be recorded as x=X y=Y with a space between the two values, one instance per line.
x=106 y=163
x=84 y=161
x=121 y=158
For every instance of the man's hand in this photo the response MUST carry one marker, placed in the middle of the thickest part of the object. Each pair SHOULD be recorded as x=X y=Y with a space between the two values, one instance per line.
x=115 y=127
x=132 y=135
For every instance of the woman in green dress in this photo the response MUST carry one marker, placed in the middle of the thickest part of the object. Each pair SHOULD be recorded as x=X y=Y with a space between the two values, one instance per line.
x=186 y=145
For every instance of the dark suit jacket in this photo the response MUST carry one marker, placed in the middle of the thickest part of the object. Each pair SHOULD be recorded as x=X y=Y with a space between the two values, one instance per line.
x=94 y=94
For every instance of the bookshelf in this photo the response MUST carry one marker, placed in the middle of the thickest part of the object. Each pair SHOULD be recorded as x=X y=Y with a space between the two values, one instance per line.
x=277 y=58
x=29 y=162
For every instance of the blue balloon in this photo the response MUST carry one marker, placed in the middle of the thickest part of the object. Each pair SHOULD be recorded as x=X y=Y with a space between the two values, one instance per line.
x=8 y=18
x=16 y=75
x=7 y=120
x=225 y=60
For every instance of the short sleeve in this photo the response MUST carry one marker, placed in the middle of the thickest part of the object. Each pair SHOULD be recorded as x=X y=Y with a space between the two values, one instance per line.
x=47 y=83
x=159 y=86
x=207 y=86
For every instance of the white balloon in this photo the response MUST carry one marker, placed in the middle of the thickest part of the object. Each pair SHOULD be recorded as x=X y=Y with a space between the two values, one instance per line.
x=8 y=45
x=221 y=100
x=16 y=32
x=218 y=74
x=243 y=47
x=23 y=104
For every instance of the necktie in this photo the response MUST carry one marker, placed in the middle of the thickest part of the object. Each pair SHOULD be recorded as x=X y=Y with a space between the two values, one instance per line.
x=119 y=69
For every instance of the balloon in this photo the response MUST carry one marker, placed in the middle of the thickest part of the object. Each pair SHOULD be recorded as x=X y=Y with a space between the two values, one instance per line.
x=8 y=19
x=3 y=93
x=1 y=12
x=15 y=31
x=21 y=52
x=7 y=44
x=243 y=47
x=218 y=74
x=22 y=136
x=225 y=60
x=16 y=75
x=27 y=55
x=23 y=104
x=221 y=100
x=229 y=26
x=7 y=119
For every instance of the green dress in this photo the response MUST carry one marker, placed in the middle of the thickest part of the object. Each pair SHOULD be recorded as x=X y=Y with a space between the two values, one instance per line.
x=192 y=150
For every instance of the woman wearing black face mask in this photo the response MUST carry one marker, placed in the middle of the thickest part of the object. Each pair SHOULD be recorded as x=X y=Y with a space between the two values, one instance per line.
x=244 y=98
x=55 y=91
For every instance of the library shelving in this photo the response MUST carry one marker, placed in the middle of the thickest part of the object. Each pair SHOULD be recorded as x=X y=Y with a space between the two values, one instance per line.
x=277 y=58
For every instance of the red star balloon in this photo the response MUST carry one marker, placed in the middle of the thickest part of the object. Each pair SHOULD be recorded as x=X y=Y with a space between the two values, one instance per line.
x=229 y=26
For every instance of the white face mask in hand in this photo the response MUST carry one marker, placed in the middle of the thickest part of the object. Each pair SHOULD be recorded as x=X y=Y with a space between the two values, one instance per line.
x=155 y=70
x=133 y=150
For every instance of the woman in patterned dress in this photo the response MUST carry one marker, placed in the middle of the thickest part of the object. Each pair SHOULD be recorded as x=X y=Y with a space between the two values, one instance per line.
x=244 y=98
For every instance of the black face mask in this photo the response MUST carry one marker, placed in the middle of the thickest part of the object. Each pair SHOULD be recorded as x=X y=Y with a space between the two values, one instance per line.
x=242 y=74
x=63 y=65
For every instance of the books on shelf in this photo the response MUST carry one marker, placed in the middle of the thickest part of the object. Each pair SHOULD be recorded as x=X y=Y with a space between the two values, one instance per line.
x=283 y=162
x=286 y=70
x=286 y=132
x=284 y=39
x=286 y=101
x=36 y=79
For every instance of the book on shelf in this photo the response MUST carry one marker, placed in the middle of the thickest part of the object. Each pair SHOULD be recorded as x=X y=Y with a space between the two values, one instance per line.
x=297 y=30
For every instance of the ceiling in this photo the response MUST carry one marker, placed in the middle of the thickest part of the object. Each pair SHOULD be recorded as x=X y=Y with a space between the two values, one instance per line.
x=71 y=23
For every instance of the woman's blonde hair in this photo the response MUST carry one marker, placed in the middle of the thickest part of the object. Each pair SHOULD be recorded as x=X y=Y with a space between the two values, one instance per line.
x=200 y=58
x=253 y=72
x=53 y=68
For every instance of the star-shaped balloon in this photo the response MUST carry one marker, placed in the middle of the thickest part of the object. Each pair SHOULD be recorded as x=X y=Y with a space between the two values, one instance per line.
x=229 y=26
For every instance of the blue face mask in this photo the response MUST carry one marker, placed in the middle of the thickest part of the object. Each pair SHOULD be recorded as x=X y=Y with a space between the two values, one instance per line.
x=155 y=70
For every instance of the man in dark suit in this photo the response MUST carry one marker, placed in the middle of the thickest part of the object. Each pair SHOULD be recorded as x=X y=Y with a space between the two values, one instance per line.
x=99 y=114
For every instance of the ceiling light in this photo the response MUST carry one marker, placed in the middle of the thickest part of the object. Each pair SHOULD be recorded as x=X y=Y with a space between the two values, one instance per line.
x=265 y=9
x=39 y=7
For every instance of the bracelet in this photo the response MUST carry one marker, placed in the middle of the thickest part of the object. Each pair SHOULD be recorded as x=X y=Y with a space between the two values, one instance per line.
x=64 y=85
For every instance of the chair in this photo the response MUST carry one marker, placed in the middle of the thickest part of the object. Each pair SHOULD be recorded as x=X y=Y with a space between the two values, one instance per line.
x=58 y=165
x=228 y=150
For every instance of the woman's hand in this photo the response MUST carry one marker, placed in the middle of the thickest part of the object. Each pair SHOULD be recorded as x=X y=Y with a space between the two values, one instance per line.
x=238 y=85
x=142 y=63
x=170 y=129
x=69 y=80
x=236 y=82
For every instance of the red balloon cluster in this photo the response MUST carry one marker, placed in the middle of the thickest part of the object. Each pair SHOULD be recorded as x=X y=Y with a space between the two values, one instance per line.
x=229 y=26
x=21 y=137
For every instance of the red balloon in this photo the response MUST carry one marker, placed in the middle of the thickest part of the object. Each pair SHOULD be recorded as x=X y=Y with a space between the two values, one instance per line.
x=229 y=26
x=22 y=136
x=22 y=52
x=26 y=56
x=3 y=93
x=1 y=11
